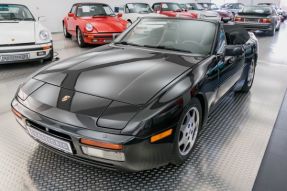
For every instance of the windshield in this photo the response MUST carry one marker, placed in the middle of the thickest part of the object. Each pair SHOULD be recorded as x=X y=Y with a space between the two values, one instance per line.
x=209 y=6
x=256 y=10
x=15 y=13
x=138 y=8
x=194 y=6
x=90 y=10
x=172 y=34
x=170 y=7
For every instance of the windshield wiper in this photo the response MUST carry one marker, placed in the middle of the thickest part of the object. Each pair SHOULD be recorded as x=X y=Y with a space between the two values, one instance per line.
x=167 y=48
x=128 y=43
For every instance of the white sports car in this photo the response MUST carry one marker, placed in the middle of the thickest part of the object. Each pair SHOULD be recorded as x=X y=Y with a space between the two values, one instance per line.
x=132 y=11
x=200 y=11
x=22 y=37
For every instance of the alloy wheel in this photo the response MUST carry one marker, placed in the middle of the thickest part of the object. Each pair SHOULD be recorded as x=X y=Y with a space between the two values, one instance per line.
x=188 y=131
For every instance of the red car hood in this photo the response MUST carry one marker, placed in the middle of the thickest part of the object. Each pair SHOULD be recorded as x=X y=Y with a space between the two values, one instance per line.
x=107 y=24
x=179 y=14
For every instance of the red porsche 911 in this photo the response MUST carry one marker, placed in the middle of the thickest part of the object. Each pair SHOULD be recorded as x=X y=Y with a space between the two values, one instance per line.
x=93 y=23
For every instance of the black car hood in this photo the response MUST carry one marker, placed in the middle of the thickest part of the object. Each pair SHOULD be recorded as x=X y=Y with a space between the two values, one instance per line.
x=125 y=74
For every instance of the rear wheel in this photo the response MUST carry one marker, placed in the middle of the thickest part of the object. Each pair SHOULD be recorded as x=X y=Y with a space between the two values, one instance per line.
x=187 y=131
x=249 y=78
x=278 y=28
x=66 y=33
x=80 y=38
x=272 y=32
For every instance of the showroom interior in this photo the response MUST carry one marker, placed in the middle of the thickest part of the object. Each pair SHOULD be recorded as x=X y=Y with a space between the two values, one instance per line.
x=86 y=110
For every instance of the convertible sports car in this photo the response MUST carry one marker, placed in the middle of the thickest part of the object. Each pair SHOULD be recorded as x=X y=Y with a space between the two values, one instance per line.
x=224 y=14
x=172 y=10
x=93 y=23
x=22 y=37
x=133 y=11
x=200 y=11
x=139 y=102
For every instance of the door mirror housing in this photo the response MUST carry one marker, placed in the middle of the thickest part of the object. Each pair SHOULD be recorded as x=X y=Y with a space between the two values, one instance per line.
x=234 y=50
x=71 y=15
x=120 y=15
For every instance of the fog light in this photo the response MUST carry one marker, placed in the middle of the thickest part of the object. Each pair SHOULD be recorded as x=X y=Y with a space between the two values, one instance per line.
x=105 y=154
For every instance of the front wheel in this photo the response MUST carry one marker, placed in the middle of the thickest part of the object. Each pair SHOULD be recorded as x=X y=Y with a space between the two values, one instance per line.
x=80 y=39
x=187 y=131
x=249 y=78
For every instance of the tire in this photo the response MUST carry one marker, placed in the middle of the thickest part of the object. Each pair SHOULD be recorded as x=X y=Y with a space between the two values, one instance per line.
x=80 y=39
x=51 y=56
x=181 y=151
x=66 y=34
x=249 y=78
x=272 y=32
x=278 y=29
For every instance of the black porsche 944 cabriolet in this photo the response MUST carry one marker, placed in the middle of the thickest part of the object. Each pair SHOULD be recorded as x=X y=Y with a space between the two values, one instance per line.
x=139 y=102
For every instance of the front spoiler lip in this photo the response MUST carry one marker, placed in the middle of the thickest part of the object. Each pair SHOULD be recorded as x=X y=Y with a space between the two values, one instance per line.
x=140 y=154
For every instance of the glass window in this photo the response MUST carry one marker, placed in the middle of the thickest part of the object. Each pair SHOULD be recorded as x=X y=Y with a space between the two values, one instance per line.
x=257 y=10
x=15 y=12
x=90 y=10
x=172 y=34
x=138 y=8
x=170 y=7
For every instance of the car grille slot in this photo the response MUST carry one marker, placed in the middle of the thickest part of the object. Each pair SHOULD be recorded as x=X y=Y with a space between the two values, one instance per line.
x=49 y=131
x=22 y=44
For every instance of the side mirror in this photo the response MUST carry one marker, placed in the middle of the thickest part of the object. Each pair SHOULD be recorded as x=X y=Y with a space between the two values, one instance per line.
x=71 y=15
x=120 y=15
x=234 y=50
x=42 y=19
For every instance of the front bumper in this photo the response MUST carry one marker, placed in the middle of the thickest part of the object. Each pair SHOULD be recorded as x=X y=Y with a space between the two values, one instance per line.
x=99 y=38
x=25 y=53
x=139 y=153
x=255 y=26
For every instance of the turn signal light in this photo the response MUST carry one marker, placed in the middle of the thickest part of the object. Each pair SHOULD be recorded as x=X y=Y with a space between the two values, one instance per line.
x=101 y=144
x=160 y=136
x=265 y=20
x=46 y=47
x=19 y=115
x=239 y=19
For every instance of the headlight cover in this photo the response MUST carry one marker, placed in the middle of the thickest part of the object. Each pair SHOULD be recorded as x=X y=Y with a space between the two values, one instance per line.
x=89 y=27
x=44 y=35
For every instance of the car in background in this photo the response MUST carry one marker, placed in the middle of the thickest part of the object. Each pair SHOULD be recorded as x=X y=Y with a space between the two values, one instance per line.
x=224 y=14
x=172 y=10
x=133 y=11
x=280 y=11
x=141 y=101
x=264 y=18
x=200 y=11
x=22 y=37
x=93 y=23
x=233 y=7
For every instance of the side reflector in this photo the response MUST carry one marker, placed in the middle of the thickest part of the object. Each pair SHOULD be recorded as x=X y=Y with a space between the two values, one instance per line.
x=19 y=115
x=161 y=136
x=101 y=144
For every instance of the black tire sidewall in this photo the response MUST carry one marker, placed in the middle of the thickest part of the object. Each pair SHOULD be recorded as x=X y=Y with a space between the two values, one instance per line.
x=177 y=157
x=81 y=38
